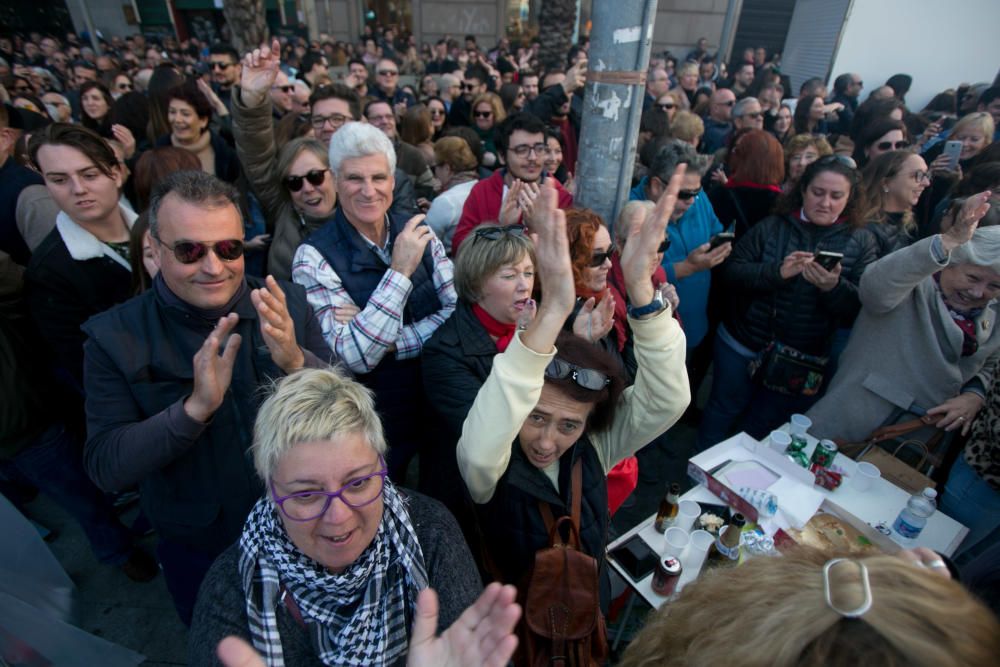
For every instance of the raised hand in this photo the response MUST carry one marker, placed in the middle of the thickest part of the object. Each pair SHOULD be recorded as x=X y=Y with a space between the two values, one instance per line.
x=260 y=70
x=639 y=256
x=408 y=247
x=126 y=139
x=510 y=212
x=966 y=221
x=595 y=321
x=482 y=636
x=276 y=326
x=213 y=372
x=554 y=270
x=213 y=99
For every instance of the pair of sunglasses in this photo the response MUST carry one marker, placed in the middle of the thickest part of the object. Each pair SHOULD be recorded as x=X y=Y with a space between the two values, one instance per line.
x=189 y=252
x=496 y=232
x=889 y=146
x=685 y=195
x=600 y=257
x=587 y=378
x=314 y=176
x=483 y=114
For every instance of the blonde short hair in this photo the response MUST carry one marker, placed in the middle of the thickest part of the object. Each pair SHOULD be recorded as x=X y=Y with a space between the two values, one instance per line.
x=311 y=405
x=917 y=618
x=980 y=120
x=479 y=258
x=686 y=126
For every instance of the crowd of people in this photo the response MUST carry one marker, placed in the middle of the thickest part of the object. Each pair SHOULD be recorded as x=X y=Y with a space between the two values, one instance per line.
x=257 y=288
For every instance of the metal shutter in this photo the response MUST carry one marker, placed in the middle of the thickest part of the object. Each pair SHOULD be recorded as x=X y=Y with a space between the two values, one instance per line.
x=812 y=41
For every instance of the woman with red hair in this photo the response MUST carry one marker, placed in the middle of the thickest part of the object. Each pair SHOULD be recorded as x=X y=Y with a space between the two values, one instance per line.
x=756 y=167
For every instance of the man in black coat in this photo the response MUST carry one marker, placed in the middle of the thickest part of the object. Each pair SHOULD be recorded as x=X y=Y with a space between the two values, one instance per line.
x=173 y=378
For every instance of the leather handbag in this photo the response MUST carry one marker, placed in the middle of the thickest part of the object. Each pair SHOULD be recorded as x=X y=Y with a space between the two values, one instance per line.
x=886 y=447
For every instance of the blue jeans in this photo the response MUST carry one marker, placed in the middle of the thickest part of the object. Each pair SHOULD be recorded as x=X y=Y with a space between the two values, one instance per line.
x=971 y=501
x=54 y=464
x=737 y=403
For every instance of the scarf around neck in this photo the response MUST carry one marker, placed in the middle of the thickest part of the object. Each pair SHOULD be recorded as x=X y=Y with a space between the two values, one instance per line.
x=494 y=327
x=360 y=616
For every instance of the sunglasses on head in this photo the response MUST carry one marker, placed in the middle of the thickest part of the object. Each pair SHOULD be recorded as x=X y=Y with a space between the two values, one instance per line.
x=495 y=232
x=314 y=176
x=685 y=195
x=890 y=146
x=599 y=258
x=587 y=378
x=189 y=252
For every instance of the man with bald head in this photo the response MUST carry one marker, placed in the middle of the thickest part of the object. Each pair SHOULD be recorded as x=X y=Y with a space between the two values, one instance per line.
x=718 y=123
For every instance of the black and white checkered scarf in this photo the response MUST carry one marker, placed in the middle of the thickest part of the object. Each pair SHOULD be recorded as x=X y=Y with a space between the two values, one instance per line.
x=360 y=616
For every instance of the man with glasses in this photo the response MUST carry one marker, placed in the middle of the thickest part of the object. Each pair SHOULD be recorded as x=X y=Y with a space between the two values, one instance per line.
x=748 y=115
x=473 y=84
x=282 y=95
x=690 y=257
x=387 y=88
x=657 y=84
x=225 y=63
x=509 y=195
x=174 y=378
x=718 y=123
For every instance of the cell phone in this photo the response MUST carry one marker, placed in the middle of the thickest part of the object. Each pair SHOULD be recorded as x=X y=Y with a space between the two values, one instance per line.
x=636 y=557
x=827 y=259
x=720 y=238
x=953 y=149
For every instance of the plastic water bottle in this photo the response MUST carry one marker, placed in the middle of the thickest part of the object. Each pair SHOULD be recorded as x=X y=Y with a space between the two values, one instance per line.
x=913 y=517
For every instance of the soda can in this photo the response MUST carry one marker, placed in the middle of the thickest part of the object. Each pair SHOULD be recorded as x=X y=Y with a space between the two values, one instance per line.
x=826 y=478
x=799 y=457
x=665 y=577
x=798 y=444
x=824 y=453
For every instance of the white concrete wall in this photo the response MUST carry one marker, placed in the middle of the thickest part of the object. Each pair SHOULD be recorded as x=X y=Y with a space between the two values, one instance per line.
x=939 y=44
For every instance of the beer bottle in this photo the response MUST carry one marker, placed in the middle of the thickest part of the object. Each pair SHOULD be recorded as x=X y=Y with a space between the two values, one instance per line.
x=726 y=550
x=668 y=508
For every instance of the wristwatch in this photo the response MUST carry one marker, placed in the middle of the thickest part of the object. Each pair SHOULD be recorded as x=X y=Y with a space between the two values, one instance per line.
x=654 y=306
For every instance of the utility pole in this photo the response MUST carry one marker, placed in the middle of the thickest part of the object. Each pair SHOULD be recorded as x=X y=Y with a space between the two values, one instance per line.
x=612 y=103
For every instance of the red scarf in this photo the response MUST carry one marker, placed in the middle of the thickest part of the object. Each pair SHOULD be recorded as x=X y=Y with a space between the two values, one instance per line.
x=504 y=333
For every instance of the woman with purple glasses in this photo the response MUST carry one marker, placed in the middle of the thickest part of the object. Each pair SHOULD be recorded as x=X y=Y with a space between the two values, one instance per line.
x=333 y=561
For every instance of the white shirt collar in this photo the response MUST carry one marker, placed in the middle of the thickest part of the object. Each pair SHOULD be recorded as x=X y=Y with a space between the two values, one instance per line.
x=84 y=245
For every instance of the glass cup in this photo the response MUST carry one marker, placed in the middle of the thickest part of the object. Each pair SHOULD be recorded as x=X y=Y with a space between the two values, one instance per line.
x=865 y=475
x=696 y=551
x=687 y=512
x=779 y=441
x=675 y=540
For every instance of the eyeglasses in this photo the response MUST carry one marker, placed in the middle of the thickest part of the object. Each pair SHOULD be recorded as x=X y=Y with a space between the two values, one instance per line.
x=284 y=89
x=218 y=65
x=336 y=120
x=889 y=145
x=728 y=104
x=314 y=176
x=189 y=252
x=311 y=505
x=388 y=72
x=754 y=114
x=124 y=86
x=685 y=195
x=919 y=175
x=524 y=150
x=664 y=245
x=587 y=378
x=666 y=107
x=496 y=232
x=599 y=258
x=483 y=114
x=469 y=86
x=436 y=112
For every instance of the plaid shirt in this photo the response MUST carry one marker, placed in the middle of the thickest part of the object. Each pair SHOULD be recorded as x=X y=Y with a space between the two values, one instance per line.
x=364 y=341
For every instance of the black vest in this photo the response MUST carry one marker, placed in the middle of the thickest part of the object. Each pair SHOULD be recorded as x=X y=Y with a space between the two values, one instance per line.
x=512 y=525
x=202 y=497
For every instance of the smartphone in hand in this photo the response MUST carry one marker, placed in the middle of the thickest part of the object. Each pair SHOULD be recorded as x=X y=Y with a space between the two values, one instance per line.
x=953 y=149
x=828 y=259
x=721 y=238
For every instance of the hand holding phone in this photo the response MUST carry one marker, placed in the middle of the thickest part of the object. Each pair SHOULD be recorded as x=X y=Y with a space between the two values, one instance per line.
x=720 y=239
x=827 y=259
x=953 y=149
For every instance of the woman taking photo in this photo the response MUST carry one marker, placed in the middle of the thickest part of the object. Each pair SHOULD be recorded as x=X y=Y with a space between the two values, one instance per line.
x=333 y=562
x=455 y=169
x=548 y=408
x=893 y=183
x=784 y=304
x=189 y=113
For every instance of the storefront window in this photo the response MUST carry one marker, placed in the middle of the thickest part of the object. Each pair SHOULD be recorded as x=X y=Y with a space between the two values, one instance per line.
x=522 y=18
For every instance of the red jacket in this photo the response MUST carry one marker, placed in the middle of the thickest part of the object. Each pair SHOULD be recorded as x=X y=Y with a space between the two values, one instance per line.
x=483 y=205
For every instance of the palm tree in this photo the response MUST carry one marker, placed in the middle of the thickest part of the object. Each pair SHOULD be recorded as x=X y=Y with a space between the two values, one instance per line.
x=556 y=20
x=247 y=23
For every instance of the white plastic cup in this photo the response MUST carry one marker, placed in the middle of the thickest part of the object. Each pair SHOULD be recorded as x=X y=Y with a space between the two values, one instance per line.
x=694 y=555
x=687 y=512
x=865 y=475
x=799 y=424
x=675 y=540
x=779 y=441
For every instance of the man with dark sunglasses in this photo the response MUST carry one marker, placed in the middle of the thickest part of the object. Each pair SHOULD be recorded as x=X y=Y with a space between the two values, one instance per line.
x=387 y=88
x=173 y=378
x=225 y=63
x=718 y=123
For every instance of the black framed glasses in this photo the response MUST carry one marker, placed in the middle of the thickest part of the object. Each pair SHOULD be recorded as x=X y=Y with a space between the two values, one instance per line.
x=483 y=114
x=687 y=195
x=469 y=86
x=436 y=112
x=314 y=176
x=497 y=232
x=222 y=66
x=336 y=119
x=284 y=89
x=587 y=378
x=598 y=258
x=919 y=175
x=541 y=150
x=666 y=107
x=388 y=72
x=892 y=146
x=189 y=252
x=311 y=505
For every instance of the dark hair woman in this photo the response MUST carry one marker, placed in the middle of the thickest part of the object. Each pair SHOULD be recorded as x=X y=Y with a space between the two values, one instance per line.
x=880 y=136
x=189 y=113
x=782 y=300
x=810 y=115
x=95 y=106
